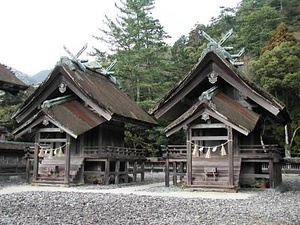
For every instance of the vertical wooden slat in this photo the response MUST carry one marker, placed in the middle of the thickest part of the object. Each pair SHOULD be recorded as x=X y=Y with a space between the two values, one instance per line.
x=174 y=174
x=181 y=170
x=126 y=166
x=142 y=171
x=107 y=166
x=167 y=168
x=271 y=172
x=230 y=157
x=189 y=157
x=81 y=145
x=117 y=172
x=68 y=159
x=134 y=171
x=36 y=157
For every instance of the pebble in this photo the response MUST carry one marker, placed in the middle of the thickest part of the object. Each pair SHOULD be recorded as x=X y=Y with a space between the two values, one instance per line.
x=267 y=206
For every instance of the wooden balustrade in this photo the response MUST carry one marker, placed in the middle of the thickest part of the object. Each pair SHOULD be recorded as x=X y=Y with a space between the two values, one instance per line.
x=113 y=152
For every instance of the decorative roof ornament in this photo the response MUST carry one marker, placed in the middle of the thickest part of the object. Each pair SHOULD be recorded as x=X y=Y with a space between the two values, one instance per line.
x=97 y=67
x=75 y=58
x=217 y=46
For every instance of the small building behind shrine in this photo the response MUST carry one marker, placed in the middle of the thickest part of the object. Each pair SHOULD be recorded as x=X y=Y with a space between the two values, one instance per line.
x=11 y=153
x=78 y=115
x=223 y=114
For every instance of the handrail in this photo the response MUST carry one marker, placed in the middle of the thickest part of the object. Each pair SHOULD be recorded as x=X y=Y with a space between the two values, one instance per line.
x=113 y=151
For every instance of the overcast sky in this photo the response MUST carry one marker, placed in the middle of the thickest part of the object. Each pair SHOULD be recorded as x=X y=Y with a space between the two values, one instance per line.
x=33 y=32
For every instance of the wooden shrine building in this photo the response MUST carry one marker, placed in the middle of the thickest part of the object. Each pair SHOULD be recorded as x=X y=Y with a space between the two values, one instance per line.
x=9 y=82
x=223 y=114
x=78 y=115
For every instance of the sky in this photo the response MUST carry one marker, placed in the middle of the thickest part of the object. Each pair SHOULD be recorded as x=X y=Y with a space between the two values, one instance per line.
x=33 y=32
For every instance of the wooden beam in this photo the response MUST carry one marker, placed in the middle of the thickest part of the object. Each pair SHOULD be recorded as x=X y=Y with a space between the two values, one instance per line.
x=208 y=126
x=50 y=130
x=209 y=138
x=54 y=139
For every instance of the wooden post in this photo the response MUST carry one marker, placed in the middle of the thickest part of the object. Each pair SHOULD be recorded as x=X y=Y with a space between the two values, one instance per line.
x=106 y=176
x=134 y=171
x=230 y=157
x=167 y=168
x=181 y=170
x=36 y=158
x=142 y=171
x=189 y=157
x=174 y=173
x=271 y=172
x=126 y=166
x=68 y=160
x=117 y=172
x=28 y=168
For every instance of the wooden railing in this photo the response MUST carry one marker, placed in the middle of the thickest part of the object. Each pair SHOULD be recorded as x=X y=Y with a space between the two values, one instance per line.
x=113 y=152
x=174 y=151
x=260 y=151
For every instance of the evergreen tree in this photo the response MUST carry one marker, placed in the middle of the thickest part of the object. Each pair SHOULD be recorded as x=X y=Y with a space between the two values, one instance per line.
x=137 y=41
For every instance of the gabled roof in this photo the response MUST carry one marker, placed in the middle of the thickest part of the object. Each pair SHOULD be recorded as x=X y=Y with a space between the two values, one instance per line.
x=222 y=108
x=9 y=82
x=212 y=63
x=71 y=117
x=95 y=90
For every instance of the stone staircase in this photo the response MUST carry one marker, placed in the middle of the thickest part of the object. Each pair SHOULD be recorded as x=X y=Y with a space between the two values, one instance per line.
x=213 y=173
x=52 y=171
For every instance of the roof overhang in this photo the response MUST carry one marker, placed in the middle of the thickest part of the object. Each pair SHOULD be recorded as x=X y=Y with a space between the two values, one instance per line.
x=71 y=117
x=223 y=109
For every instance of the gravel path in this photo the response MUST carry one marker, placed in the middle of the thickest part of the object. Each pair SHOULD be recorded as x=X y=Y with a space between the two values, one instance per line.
x=263 y=207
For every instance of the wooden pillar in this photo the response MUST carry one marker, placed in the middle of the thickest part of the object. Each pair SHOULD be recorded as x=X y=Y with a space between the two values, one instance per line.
x=174 y=173
x=230 y=157
x=167 y=168
x=134 y=171
x=142 y=171
x=271 y=172
x=68 y=160
x=36 y=157
x=81 y=145
x=189 y=157
x=106 y=176
x=117 y=172
x=181 y=170
x=126 y=172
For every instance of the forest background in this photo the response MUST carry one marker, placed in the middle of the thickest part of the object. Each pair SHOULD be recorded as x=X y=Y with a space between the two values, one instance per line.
x=147 y=67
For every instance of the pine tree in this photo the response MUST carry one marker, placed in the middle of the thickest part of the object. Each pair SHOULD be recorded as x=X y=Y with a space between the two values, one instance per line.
x=137 y=41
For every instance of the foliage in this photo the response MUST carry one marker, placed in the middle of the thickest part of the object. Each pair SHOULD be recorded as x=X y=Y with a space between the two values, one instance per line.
x=137 y=41
x=281 y=35
x=253 y=33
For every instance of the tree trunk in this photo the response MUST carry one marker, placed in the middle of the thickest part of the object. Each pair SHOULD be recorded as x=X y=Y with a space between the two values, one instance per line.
x=287 y=143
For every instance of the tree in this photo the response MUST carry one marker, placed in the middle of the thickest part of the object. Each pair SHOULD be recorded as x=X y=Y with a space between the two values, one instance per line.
x=256 y=27
x=137 y=41
x=278 y=72
x=280 y=35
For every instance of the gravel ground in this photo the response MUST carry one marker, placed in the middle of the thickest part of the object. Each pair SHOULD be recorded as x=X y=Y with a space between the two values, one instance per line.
x=264 y=207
